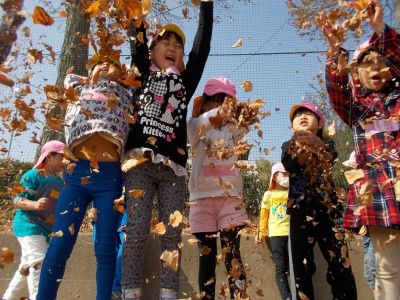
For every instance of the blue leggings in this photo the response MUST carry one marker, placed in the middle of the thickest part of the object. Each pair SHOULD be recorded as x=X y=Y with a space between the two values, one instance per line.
x=103 y=188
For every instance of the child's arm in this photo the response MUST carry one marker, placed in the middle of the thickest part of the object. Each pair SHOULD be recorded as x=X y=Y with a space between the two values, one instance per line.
x=200 y=49
x=30 y=183
x=385 y=39
x=74 y=80
x=337 y=83
x=264 y=217
x=139 y=49
x=26 y=204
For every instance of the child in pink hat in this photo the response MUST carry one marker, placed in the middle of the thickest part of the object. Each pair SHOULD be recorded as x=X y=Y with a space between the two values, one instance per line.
x=371 y=107
x=34 y=217
x=274 y=224
x=216 y=209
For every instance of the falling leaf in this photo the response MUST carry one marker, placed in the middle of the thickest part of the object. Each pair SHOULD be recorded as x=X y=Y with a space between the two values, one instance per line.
x=151 y=140
x=119 y=208
x=196 y=2
x=135 y=193
x=171 y=259
x=40 y=16
x=247 y=86
x=70 y=70
x=363 y=230
x=93 y=10
x=92 y=214
x=238 y=43
x=71 y=229
x=354 y=175
x=192 y=241
x=17 y=189
x=175 y=219
x=159 y=228
x=63 y=14
x=185 y=12
x=57 y=234
x=129 y=118
x=70 y=167
x=205 y=250
x=259 y=292
x=6 y=81
x=85 y=180
x=181 y=151
x=6 y=257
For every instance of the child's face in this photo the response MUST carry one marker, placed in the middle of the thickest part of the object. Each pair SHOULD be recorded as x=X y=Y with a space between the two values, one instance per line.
x=101 y=69
x=373 y=72
x=55 y=162
x=167 y=53
x=281 y=178
x=305 y=119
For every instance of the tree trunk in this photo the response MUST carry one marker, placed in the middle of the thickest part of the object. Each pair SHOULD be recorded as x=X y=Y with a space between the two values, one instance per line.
x=9 y=25
x=74 y=53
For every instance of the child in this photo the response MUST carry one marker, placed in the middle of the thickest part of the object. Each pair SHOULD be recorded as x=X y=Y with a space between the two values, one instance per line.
x=274 y=223
x=95 y=133
x=372 y=109
x=216 y=209
x=308 y=157
x=159 y=138
x=34 y=217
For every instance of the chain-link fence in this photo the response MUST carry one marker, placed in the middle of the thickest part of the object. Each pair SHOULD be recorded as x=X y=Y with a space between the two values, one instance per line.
x=283 y=67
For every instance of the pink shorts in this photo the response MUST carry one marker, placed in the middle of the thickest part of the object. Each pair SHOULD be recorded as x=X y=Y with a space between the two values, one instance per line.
x=216 y=213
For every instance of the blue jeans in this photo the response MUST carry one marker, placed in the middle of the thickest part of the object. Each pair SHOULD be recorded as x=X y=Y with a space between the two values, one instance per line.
x=103 y=188
x=118 y=268
x=369 y=261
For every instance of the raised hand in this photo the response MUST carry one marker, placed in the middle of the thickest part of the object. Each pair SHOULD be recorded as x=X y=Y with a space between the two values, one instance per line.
x=375 y=14
x=334 y=43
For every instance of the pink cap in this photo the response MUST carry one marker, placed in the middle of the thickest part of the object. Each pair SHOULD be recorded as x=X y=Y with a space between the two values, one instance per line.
x=278 y=167
x=49 y=147
x=219 y=85
x=308 y=106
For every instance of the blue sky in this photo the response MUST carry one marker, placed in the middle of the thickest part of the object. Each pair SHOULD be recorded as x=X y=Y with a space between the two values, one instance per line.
x=280 y=79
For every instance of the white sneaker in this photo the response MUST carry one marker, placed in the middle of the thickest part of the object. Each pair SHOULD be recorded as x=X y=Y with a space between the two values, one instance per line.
x=131 y=294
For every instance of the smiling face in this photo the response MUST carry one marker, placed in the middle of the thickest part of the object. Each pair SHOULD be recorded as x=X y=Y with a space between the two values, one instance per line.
x=167 y=52
x=373 y=72
x=304 y=119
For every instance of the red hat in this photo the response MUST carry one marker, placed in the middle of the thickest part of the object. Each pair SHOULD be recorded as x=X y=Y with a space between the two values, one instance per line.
x=310 y=107
x=49 y=147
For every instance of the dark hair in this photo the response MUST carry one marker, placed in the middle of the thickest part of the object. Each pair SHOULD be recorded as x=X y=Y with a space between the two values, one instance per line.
x=166 y=36
x=301 y=109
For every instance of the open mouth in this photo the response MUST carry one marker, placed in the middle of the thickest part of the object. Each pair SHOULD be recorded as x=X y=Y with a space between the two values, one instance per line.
x=375 y=78
x=170 y=58
x=303 y=123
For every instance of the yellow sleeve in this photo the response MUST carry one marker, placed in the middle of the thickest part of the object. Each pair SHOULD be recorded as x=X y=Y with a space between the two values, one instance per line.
x=266 y=200
x=263 y=223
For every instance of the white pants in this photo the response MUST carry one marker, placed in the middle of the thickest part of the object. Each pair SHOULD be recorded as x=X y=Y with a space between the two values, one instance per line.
x=387 y=252
x=33 y=250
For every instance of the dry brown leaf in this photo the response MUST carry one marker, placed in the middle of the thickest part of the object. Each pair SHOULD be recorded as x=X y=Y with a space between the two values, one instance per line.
x=7 y=256
x=159 y=228
x=353 y=175
x=57 y=234
x=247 y=86
x=136 y=193
x=85 y=180
x=181 y=151
x=185 y=12
x=92 y=214
x=171 y=259
x=238 y=43
x=193 y=241
x=175 y=219
x=40 y=16
x=71 y=229
x=17 y=189
x=6 y=81
x=332 y=128
x=151 y=140
x=24 y=271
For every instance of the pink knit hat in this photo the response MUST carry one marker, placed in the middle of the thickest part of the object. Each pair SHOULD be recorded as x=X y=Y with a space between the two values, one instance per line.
x=219 y=85
x=49 y=147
